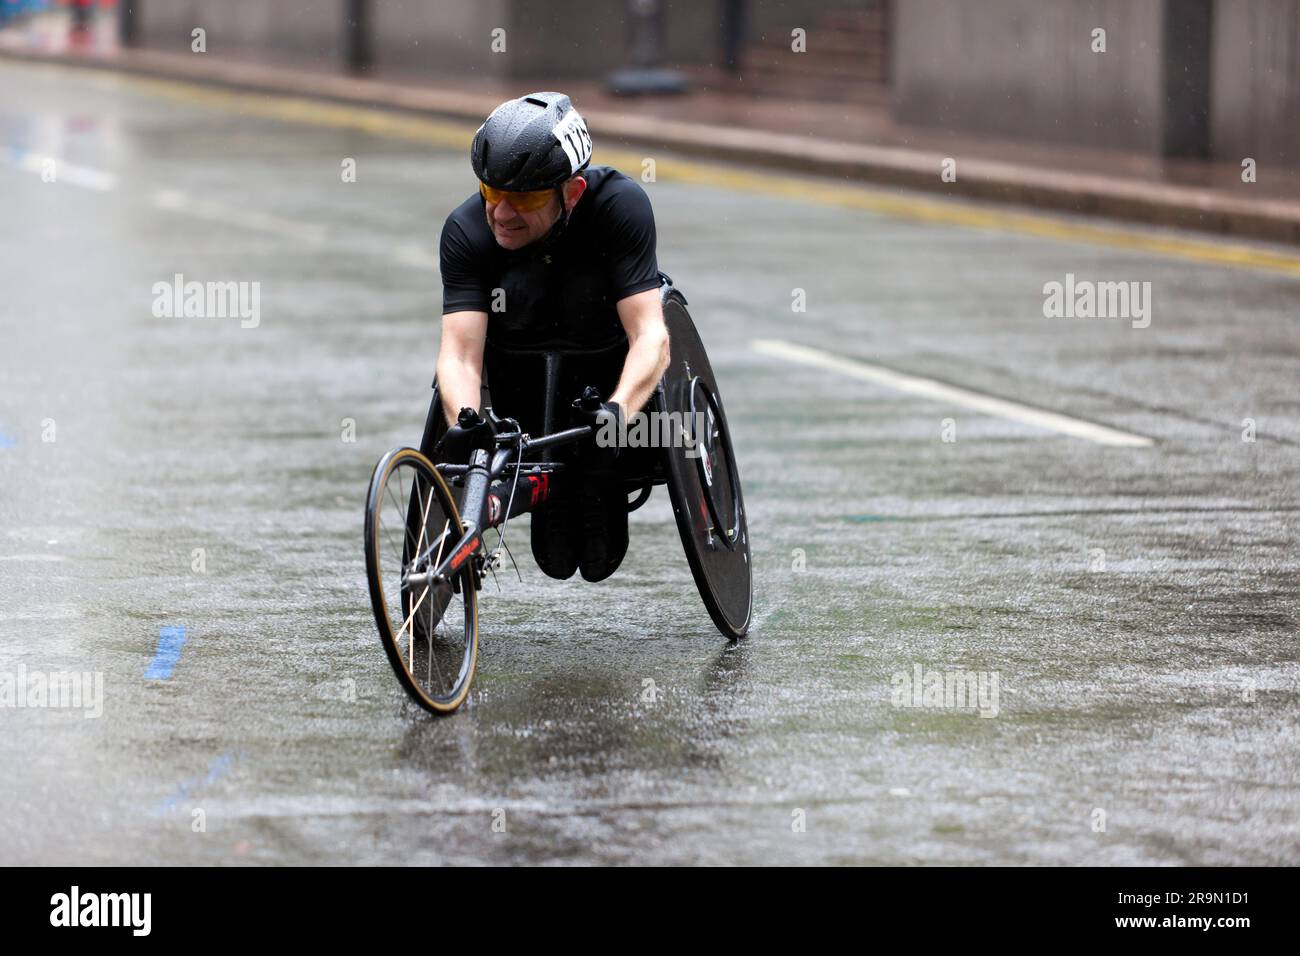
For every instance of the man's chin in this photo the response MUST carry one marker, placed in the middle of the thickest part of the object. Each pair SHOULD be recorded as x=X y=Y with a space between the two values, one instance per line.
x=510 y=240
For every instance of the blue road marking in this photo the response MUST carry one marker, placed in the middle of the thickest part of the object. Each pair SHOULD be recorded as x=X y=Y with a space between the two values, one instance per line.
x=217 y=769
x=170 y=642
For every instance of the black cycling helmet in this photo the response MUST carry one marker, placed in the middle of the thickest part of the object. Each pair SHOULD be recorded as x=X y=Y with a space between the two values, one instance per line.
x=535 y=142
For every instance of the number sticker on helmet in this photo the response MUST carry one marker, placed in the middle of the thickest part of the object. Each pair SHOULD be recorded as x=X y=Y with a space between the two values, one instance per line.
x=574 y=138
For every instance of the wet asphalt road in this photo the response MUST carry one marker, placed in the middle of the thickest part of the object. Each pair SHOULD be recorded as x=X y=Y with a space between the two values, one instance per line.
x=1137 y=606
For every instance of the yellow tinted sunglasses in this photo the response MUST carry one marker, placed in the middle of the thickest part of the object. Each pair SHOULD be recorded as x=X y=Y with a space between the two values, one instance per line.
x=519 y=202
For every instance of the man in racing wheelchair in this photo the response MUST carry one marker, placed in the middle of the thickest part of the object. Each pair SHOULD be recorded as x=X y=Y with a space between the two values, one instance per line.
x=551 y=286
x=555 y=315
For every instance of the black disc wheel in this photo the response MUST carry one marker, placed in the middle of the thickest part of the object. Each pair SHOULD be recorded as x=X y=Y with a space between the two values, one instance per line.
x=703 y=479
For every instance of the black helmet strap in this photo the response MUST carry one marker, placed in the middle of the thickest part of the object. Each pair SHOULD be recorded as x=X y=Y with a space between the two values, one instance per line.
x=557 y=229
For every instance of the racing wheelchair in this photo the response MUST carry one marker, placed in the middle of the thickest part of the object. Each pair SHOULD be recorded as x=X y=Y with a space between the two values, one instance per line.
x=426 y=555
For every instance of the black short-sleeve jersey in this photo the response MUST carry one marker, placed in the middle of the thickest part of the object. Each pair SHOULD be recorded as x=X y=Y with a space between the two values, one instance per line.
x=561 y=292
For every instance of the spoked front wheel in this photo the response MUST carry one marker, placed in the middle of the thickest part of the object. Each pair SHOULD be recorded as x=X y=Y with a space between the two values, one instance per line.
x=430 y=632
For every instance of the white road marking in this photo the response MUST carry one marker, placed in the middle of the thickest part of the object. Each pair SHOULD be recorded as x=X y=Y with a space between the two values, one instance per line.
x=64 y=171
x=174 y=200
x=415 y=256
x=929 y=388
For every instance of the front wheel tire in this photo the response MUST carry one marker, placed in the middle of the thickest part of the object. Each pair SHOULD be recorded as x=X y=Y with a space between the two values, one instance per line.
x=429 y=633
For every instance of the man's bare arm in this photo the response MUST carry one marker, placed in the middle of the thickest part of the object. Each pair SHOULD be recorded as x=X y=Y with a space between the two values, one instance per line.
x=647 y=355
x=460 y=361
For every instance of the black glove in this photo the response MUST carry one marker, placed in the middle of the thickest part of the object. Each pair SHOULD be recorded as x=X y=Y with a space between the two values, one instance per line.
x=470 y=432
x=606 y=418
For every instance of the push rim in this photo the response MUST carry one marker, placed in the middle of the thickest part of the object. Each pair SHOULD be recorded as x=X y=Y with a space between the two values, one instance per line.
x=720 y=491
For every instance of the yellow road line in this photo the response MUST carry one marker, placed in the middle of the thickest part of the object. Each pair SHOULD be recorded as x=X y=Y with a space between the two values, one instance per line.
x=380 y=122
x=903 y=206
